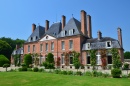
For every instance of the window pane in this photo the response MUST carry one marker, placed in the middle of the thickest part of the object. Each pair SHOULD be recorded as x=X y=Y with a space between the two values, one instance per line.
x=41 y=47
x=28 y=48
x=52 y=46
x=70 y=44
x=63 y=45
x=33 y=48
x=46 y=46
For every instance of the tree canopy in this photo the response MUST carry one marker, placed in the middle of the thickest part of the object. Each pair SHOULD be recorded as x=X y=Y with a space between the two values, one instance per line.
x=3 y=60
x=127 y=55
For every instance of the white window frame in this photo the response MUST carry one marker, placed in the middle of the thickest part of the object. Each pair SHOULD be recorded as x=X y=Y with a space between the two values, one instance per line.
x=41 y=47
x=107 y=43
x=88 y=46
x=52 y=46
x=71 y=47
x=62 y=33
x=71 y=32
x=62 y=59
x=46 y=46
x=63 y=48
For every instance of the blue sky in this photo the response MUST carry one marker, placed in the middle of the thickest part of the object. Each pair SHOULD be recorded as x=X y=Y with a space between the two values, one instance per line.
x=17 y=16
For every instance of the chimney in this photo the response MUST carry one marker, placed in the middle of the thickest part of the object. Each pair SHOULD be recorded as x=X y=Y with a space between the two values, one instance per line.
x=89 y=28
x=17 y=46
x=120 y=36
x=83 y=22
x=99 y=35
x=33 y=27
x=63 y=21
x=47 y=25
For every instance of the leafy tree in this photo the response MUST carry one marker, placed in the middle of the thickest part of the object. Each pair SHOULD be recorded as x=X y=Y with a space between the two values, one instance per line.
x=5 y=49
x=50 y=58
x=17 y=60
x=127 y=55
x=3 y=60
x=28 y=59
x=93 y=58
x=76 y=61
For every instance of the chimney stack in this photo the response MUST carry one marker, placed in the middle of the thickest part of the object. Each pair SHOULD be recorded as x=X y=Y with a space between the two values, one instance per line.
x=89 y=28
x=120 y=36
x=83 y=22
x=33 y=27
x=47 y=25
x=99 y=35
x=63 y=21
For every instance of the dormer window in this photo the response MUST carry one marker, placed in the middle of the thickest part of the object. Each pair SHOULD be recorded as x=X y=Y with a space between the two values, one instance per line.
x=46 y=37
x=62 y=33
x=71 y=32
x=36 y=37
x=88 y=46
x=31 y=39
x=108 y=44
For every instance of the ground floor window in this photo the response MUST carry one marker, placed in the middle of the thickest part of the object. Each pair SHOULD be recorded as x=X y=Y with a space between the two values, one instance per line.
x=62 y=58
x=88 y=59
x=109 y=59
x=71 y=59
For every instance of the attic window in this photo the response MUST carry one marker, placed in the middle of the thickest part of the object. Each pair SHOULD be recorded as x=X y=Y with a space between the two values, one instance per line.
x=31 y=38
x=63 y=33
x=108 y=44
x=71 y=32
x=36 y=37
x=46 y=37
x=54 y=33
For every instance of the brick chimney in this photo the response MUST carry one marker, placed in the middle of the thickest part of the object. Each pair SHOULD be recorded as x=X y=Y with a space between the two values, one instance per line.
x=83 y=22
x=33 y=27
x=47 y=25
x=89 y=27
x=99 y=35
x=120 y=36
x=63 y=21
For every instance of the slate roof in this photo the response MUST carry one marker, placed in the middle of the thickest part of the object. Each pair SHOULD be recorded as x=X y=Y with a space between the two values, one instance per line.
x=54 y=29
x=18 y=51
x=37 y=34
x=72 y=24
x=101 y=44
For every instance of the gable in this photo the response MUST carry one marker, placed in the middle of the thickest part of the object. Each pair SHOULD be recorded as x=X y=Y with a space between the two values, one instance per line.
x=47 y=37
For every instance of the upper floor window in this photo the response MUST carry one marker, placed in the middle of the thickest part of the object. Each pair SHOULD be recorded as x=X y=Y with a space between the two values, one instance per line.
x=71 y=32
x=28 y=48
x=63 y=33
x=88 y=46
x=41 y=47
x=70 y=44
x=52 y=45
x=33 y=48
x=62 y=45
x=46 y=46
x=108 y=44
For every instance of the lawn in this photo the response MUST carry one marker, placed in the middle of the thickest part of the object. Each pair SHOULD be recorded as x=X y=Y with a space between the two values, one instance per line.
x=51 y=79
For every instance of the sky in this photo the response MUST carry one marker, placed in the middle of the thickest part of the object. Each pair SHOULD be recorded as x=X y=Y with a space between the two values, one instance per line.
x=17 y=16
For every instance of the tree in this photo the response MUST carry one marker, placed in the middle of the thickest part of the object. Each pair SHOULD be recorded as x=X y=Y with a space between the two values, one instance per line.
x=50 y=58
x=28 y=59
x=35 y=58
x=103 y=59
x=93 y=58
x=16 y=59
x=127 y=55
x=6 y=66
x=5 y=49
x=3 y=60
x=76 y=61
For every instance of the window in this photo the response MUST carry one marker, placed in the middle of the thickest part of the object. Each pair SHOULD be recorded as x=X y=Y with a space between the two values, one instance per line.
x=46 y=46
x=71 y=59
x=63 y=45
x=71 y=32
x=88 y=59
x=63 y=33
x=108 y=44
x=109 y=59
x=70 y=44
x=28 y=48
x=62 y=58
x=52 y=46
x=41 y=47
x=33 y=48
x=88 y=46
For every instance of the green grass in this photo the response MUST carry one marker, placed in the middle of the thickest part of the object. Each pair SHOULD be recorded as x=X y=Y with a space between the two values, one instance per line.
x=51 y=79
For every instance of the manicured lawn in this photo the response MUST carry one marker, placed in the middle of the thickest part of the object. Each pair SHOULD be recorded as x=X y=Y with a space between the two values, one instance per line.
x=51 y=79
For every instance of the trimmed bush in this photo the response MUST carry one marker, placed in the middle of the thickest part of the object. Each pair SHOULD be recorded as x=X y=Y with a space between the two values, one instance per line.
x=41 y=70
x=35 y=69
x=105 y=75
x=29 y=69
x=88 y=73
x=70 y=72
x=79 y=73
x=28 y=59
x=3 y=60
x=24 y=68
x=94 y=73
x=57 y=71
x=64 y=72
x=126 y=66
x=116 y=73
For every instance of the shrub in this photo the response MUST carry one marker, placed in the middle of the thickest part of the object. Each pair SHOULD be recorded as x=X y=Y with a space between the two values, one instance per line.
x=19 y=69
x=3 y=60
x=57 y=71
x=70 y=72
x=23 y=64
x=28 y=59
x=88 y=73
x=116 y=73
x=105 y=75
x=99 y=74
x=24 y=68
x=6 y=66
x=124 y=76
x=35 y=69
x=126 y=66
x=79 y=73
x=41 y=70
x=29 y=69
x=94 y=73
x=64 y=72
x=45 y=65
x=109 y=67
x=129 y=75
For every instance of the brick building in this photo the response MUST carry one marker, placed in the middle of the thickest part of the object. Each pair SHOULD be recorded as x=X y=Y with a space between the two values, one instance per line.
x=75 y=35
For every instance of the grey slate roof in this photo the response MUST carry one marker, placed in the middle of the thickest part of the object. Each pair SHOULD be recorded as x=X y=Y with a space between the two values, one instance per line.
x=37 y=34
x=101 y=44
x=18 y=51
x=54 y=29
x=72 y=24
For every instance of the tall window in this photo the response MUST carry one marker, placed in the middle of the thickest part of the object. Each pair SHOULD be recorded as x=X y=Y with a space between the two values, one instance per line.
x=52 y=46
x=71 y=32
x=63 y=45
x=71 y=59
x=62 y=33
x=33 y=48
x=46 y=46
x=70 y=44
x=108 y=44
x=41 y=47
x=28 y=48
x=62 y=58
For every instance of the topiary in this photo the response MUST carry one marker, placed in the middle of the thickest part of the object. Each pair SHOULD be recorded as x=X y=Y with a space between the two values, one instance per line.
x=35 y=69
x=3 y=60
x=116 y=73
x=28 y=59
